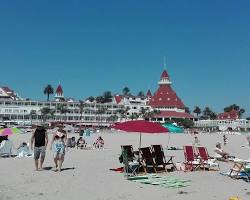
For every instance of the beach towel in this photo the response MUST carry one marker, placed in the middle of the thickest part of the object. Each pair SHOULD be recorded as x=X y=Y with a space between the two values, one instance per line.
x=119 y=169
x=163 y=181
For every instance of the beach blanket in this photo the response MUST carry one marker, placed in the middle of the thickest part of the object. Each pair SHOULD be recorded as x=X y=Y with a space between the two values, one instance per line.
x=160 y=180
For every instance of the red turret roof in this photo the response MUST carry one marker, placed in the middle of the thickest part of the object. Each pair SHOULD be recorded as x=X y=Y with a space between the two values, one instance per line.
x=164 y=74
x=165 y=96
x=59 y=89
x=149 y=94
x=118 y=99
x=232 y=115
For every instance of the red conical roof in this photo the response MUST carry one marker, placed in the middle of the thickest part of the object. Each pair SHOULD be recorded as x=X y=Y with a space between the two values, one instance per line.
x=164 y=74
x=165 y=96
x=59 y=89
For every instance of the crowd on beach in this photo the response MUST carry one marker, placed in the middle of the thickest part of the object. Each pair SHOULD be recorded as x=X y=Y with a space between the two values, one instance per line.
x=60 y=143
x=39 y=142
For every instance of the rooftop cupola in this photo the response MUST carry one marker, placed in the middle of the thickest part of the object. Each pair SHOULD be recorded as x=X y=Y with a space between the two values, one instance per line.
x=165 y=80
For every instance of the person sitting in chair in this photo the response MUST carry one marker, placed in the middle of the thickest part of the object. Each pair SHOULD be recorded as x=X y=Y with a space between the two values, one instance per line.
x=220 y=154
x=99 y=143
x=23 y=150
x=71 y=142
x=81 y=143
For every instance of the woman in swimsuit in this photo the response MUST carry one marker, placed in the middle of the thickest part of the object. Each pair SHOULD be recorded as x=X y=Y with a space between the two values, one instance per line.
x=58 y=143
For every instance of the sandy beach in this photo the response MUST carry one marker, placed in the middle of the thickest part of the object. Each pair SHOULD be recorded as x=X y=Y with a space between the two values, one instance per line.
x=86 y=173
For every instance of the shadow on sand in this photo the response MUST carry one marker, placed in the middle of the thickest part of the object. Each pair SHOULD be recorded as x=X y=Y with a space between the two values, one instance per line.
x=63 y=169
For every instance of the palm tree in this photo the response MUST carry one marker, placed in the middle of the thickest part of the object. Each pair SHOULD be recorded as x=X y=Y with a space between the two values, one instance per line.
x=241 y=112
x=126 y=91
x=100 y=112
x=123 y=112
x=187 y=110
x=232 y=107
x=141 y=94
x=46 y=112
x=32 y=114
x=150 y=114
x=91 y=99
x=62 y=108
x=48 y=90
x=107 y=96
x=209 y=114
x=81 y=107
x=197 y=111
x=113 y=118
x=143 y=112
x=99 y=99
x=134 y=116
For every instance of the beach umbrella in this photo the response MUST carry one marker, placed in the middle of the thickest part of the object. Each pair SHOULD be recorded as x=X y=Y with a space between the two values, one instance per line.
x=9 y=131
x=173 y=128
x=141 y=126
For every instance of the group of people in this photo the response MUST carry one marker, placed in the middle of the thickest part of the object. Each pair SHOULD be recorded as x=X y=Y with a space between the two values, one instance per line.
x=219 y=154
x=39 y=142
x=58 y=144
x=82 y=144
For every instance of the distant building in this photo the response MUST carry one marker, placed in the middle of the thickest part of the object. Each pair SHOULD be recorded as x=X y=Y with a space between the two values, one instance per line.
x=7 y=93
x=164 y=100
x=232 y=115
x=134 y=104
x=167 y=102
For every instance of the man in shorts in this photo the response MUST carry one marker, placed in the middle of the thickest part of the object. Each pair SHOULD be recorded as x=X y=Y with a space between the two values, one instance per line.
x=40 y=140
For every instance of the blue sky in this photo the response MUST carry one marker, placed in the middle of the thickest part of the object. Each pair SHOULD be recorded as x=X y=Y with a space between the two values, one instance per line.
x=92 y=46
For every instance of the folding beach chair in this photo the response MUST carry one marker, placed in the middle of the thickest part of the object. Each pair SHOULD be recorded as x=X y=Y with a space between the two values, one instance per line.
x=131 y=165
x=239 y=171
x=206 y=160
x=191 y=163
x=160 y=158
x=148 y=160
x=130 y=152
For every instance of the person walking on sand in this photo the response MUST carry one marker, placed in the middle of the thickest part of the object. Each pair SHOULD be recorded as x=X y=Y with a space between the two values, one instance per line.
x=40 y=140
x=225 y=139
x=58 y=144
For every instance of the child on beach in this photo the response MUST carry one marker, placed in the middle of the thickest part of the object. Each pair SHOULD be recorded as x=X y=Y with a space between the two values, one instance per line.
x=196 y=141
x=248 y=140
x=225 y=139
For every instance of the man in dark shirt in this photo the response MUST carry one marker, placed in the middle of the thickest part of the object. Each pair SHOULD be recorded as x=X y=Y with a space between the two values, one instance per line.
x=40 y=138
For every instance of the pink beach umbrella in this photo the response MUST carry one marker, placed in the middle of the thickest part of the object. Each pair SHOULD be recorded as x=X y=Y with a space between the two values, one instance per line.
x=9 y=131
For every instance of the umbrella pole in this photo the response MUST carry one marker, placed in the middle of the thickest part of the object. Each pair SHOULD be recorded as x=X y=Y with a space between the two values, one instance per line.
x=140 y=141
x=168 y=140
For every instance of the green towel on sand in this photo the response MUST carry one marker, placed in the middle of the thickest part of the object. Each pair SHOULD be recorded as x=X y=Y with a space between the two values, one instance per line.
x=163 y=181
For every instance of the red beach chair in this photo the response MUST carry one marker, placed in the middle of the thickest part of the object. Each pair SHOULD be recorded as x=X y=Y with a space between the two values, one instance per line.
x=206 y=159
x=191 y=163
